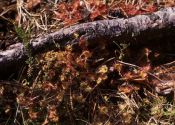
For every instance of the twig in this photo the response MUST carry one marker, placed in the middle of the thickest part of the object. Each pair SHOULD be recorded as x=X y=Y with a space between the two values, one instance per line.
x=16 y=114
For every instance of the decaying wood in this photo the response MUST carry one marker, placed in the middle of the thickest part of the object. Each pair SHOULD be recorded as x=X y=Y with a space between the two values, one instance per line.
x=147 y=26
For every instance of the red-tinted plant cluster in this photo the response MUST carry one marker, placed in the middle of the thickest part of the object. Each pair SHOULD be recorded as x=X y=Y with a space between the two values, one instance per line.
x=90 y=10
x=77 y=10
x=91 y=84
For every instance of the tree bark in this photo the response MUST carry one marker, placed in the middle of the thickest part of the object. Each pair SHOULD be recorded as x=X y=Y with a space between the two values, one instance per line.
x=138 y=29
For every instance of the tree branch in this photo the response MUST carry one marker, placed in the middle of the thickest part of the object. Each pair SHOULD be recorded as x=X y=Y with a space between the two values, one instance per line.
x=138 y=28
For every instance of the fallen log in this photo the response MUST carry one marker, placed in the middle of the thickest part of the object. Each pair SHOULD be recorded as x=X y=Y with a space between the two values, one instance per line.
x=140 y=28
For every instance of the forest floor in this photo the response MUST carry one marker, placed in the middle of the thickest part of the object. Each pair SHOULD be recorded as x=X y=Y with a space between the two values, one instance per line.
x=103 y=84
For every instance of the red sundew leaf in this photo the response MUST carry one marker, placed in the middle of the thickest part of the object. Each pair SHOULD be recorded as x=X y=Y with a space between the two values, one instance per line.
x=137 y=75
x=62 y=6
x=52 y=114
x=133 y=12
x=60 y=16
x=76 y=16
x=94 y=15
x=70 y=13
x=100 y=10
x=127 y=89
x=151 y=8
x=86 y=54
x=146 y=68
x=47 y=86
x=81 y=61
x=128 y=75
x=33 y=115
x=76 y=4
x=75 y=11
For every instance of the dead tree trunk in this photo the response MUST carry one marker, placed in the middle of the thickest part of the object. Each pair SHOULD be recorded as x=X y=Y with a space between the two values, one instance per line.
x=137 y=29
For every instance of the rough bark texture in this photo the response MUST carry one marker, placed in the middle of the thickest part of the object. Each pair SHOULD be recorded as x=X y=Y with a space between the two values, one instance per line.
x=141 y=28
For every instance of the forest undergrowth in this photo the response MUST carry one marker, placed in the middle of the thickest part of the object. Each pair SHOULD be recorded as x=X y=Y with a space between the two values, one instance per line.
x=103 y=83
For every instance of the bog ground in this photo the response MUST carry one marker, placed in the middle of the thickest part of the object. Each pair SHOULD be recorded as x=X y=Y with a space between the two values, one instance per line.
x=87 y=62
